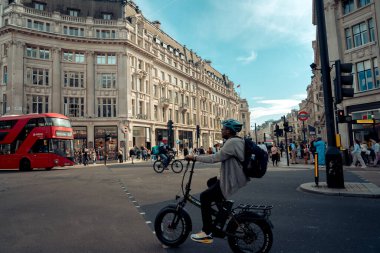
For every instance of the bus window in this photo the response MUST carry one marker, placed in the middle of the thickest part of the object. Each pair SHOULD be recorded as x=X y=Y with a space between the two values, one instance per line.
x=41 y=146
x=5 y=149
x=63 y=147
x=2 y=135
x=58 y=122
x=7 y=124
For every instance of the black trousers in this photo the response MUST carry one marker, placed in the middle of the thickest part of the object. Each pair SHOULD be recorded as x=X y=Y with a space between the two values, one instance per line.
x=212 y=194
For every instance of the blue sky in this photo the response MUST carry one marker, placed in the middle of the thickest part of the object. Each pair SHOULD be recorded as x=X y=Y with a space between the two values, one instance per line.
x=265 y=46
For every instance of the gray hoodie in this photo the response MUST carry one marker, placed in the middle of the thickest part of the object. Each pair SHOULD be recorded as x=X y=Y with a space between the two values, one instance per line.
x=232 y=177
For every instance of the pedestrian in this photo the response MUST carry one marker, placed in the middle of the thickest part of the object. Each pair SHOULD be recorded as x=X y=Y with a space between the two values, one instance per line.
x=356 y=155
x=132 y=153
x=376 y=149
x=120 y=156
x=306 y=154
x=293 y=152
x=274 y=153
x=320 y=147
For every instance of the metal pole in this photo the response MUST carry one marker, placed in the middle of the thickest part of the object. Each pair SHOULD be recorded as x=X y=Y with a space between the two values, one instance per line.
x=286 y=145
x=255 y=133
x=334 y=165
x=304 y=132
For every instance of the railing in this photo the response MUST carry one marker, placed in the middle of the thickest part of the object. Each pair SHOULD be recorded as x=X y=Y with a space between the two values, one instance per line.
x=105 y=22
x=73 y=19
x=32 y=11
x=141 y=116
x=164 y=100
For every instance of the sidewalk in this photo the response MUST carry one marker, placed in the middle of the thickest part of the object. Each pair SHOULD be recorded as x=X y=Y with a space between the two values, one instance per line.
x=101 y=163
x=368 y=189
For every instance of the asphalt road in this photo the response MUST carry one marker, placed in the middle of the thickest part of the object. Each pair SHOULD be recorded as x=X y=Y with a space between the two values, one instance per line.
x=110 y=209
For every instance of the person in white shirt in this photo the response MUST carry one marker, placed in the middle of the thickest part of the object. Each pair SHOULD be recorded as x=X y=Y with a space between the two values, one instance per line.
x=357 y=156
x=376 y=149
x=263 y=146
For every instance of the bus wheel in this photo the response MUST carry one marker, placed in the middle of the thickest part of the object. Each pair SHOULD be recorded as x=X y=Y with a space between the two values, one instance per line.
x=25 y=165
x=49 y=168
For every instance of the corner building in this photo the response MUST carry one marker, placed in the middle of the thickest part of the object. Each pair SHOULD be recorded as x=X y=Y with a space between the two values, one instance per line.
x=108 y=68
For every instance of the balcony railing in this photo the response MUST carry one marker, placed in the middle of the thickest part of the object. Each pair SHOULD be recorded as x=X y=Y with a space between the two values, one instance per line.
x=184 y=107
x=164 y=101
x=141 y=116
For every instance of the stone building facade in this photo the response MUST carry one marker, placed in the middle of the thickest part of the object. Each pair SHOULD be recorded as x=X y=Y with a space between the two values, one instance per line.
x=112 y=71
x=353 y=37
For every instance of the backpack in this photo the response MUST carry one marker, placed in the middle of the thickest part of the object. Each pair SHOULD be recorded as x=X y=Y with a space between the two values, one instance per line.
x=155 y=150
x=255 y=160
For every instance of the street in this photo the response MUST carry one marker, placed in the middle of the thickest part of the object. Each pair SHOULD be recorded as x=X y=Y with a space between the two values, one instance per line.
x=111 y=209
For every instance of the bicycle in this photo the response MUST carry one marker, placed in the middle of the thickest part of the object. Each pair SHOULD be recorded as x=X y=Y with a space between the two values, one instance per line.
x=247 y=227
x=175 y=164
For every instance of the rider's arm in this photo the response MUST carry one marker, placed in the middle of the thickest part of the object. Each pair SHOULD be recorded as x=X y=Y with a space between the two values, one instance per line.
x=231 y=148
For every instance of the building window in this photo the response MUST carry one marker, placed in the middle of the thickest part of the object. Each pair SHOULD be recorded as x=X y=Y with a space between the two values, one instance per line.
x=74 y=107
x=155 y=109
x=364 y=3
x=37 y=53
x=108 y=59
x=39 y=6
x=107 y=80
x=37 y=104
x=107 y=107
x=74 y=79
x=371 y=30
x=107 y=16
x=348 y=38
x=105 y=34
x=73 y=12
x=4 y=109
x=37 y=25
x=37 y=76
x=155 y=91
x=376 y=72
x=348 y=6
x=360 y=34
x=73 y=57
x=73 y=31
x=5 y=75
x=364 y=76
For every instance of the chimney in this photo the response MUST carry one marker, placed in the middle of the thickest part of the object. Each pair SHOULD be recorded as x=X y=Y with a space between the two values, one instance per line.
x=157 y=24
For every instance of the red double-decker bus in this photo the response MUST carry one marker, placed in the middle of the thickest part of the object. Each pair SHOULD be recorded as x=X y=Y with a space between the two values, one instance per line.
x=36 y=141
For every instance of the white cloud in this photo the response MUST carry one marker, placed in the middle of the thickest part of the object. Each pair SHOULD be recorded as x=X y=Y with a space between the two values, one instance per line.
x=272 y=109
x=248 y=59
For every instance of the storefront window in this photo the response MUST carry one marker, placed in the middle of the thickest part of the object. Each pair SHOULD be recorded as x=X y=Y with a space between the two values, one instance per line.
x=100 y=148
x=80 y=137
x=142 y=137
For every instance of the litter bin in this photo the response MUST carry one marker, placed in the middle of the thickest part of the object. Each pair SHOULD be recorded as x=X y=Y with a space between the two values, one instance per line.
x=346 y=157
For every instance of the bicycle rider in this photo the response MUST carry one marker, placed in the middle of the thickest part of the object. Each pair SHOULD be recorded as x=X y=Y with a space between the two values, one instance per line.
x=163 y=152
x=232 y=177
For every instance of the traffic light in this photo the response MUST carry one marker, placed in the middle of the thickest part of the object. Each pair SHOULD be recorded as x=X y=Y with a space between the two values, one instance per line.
x=277 y=131
x=198 y=131
x=170 y=125
x=343 y=118
x=286 y=126
x=343 y=77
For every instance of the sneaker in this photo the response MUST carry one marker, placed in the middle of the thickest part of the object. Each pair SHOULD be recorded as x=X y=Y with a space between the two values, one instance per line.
x=363 y=167
x=202 y=237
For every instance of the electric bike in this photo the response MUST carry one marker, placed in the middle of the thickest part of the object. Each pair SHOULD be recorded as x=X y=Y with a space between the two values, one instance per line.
x=247 y=227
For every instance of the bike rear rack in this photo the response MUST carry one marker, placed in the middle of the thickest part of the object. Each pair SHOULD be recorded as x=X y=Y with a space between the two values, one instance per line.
x=260 y=209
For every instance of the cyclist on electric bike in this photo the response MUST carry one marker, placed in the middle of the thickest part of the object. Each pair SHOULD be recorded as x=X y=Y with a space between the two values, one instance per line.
x=232 y=177
x=163 y=152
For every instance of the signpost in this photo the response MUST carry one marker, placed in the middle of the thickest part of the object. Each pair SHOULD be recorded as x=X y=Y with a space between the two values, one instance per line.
x=303 y=116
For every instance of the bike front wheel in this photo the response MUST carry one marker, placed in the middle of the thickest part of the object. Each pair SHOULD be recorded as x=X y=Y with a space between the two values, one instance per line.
x=158 y=166
x=177 y=166
x=248 y=233
x=172 y=227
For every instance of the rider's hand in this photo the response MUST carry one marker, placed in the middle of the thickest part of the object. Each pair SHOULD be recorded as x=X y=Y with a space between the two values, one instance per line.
x=190 y=158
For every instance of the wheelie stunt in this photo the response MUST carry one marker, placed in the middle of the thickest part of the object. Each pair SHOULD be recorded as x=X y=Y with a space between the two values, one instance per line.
x=247 y=227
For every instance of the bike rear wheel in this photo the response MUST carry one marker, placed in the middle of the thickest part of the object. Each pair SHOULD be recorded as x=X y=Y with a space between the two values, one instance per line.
x=248 y=233
x=177 y=166
x=158 y=166
x=172 y=227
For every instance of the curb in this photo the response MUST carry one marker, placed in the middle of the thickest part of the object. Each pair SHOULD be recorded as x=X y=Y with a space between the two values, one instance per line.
x=364 y=190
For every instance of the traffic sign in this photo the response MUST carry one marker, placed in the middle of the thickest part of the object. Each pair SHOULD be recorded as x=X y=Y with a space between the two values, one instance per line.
x=302 y=115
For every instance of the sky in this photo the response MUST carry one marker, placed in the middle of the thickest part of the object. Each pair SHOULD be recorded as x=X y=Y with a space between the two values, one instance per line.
x=263 y=46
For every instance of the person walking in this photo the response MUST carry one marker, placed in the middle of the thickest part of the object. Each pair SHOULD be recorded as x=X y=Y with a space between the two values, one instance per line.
x=132 y=153
x=357 y=156
x=293 y=151
x=274 y=152
x=320 y=147
x=376 y=149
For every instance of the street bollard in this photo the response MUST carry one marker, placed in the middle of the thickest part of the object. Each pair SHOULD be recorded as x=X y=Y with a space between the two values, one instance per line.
x=316 y=169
